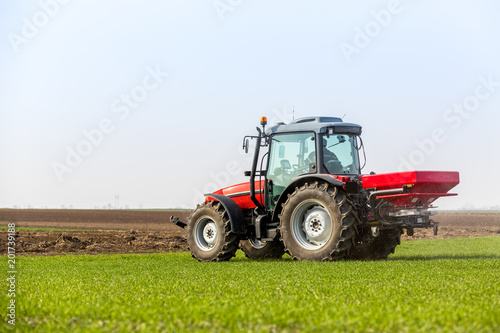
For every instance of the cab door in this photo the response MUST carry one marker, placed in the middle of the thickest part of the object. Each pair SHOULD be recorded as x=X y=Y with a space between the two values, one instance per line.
x=290 y=155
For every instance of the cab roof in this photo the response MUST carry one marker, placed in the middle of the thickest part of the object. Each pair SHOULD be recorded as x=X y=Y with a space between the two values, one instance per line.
x=315 y=124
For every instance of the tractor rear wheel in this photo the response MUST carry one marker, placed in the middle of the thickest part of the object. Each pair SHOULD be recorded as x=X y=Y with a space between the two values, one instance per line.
x=255 y=249
x=209 y=235
x=317 y=223
x=380 y=248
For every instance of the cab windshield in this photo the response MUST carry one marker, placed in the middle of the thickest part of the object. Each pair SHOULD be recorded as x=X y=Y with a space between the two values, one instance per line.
x=340 y=154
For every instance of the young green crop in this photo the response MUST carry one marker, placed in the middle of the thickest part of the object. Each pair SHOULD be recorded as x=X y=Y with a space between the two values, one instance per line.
x=431 y=285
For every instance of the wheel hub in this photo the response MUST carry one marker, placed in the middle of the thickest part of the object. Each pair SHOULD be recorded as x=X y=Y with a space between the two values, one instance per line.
x=210 y=234
x=311 y=225
x=315 y=221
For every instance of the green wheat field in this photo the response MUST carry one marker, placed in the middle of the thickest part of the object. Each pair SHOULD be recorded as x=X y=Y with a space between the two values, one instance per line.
x=450 y=285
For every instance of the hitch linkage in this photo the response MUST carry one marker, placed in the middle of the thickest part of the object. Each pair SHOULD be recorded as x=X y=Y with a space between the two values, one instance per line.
x=175 y=220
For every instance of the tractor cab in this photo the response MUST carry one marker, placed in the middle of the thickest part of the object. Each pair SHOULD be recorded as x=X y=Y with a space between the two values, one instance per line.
x=312 y=145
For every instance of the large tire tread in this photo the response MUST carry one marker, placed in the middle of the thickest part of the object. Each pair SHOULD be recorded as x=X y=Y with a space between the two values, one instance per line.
x=272 y=250
x=380 y=248
x=344 y=207
x=230 y=240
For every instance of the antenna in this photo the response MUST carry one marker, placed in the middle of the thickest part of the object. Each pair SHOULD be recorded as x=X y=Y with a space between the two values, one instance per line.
x=343 y=116
x=293 y=112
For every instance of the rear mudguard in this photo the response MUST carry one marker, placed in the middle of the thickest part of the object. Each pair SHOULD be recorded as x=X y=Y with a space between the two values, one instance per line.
x=233 y=211
x=299 y=181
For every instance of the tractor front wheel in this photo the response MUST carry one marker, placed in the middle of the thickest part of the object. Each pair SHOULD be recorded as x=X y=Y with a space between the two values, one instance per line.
x=209 y=235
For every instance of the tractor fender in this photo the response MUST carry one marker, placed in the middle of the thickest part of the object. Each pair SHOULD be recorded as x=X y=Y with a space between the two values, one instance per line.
x=297 y=182
x=233 y=211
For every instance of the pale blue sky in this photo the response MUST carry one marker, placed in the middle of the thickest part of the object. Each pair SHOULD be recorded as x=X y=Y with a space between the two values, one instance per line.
x=263 y=58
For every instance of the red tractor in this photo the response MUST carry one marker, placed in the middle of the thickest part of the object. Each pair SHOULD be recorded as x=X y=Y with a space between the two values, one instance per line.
x=308 y=198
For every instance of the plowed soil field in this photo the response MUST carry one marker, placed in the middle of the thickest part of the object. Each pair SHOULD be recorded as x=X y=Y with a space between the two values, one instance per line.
x=136 y=231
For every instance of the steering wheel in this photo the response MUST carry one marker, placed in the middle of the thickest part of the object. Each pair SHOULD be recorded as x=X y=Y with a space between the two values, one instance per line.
x=297 y=170
x=287 y=178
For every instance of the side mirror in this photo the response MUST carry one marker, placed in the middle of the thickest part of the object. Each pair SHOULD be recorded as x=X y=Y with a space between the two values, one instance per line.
x=245 y=146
